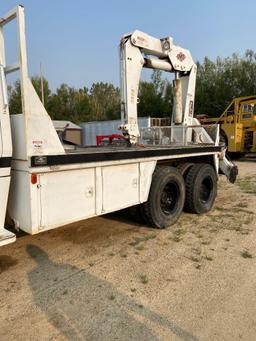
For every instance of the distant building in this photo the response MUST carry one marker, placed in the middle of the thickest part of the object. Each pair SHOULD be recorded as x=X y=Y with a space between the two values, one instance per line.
x=69 y=132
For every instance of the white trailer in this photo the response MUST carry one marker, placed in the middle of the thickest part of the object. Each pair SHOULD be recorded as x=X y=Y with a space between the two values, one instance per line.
x=43 y=186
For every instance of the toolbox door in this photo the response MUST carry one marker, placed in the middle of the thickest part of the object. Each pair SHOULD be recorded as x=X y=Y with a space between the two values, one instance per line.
x=66 y=197
x=120 y=185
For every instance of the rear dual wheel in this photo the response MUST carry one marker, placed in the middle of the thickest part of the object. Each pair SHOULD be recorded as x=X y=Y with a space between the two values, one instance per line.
x=201 y=188
x=191 y=186
x=166 y=197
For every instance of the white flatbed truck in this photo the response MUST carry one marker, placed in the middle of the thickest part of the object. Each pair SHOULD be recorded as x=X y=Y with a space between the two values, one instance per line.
x=43 y=186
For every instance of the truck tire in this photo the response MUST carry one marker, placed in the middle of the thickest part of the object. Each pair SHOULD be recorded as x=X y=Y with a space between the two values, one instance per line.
x=201 y=188
x=166 y=197
x=184 y=168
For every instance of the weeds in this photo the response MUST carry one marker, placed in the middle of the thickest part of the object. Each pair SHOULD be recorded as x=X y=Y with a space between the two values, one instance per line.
x=139 y=240
x=247 y=184
x=194 y=258
x=143 y=278
x=218 y=208
x=245 y=254
x=209 y=258
x=179 y=232
x=176 y=239
x=242 y=204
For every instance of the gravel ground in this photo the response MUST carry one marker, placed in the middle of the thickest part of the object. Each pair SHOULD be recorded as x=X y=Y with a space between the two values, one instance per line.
x=109 y=278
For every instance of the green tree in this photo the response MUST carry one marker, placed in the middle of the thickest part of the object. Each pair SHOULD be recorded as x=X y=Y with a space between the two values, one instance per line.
x=14 y=93
x=36 y=81
x=14 y=98
x=155 y=97
x=69 y=104
x=105 y=101
x=219 y=81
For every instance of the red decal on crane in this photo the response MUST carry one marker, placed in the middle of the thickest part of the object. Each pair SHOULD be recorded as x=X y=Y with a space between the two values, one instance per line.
x=181 y=56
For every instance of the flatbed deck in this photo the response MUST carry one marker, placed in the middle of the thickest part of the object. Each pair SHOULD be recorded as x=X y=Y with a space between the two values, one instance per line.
x=113 y=153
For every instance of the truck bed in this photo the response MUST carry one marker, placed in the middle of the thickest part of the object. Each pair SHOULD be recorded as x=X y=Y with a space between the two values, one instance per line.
x=114 y=153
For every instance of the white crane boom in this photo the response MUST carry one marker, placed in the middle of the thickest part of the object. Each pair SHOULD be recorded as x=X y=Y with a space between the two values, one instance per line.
x=136 y=51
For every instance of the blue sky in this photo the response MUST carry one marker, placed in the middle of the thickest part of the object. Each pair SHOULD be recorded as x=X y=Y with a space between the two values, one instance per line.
x=77 y=41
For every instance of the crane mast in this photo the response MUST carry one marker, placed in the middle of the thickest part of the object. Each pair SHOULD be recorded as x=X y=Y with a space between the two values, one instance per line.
x=138 y=50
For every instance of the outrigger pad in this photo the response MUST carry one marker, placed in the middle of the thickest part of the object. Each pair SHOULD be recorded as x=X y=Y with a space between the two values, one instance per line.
x=233 y=174
x=6 y=237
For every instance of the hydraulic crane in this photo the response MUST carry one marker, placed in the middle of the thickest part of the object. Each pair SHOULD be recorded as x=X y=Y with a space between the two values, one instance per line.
x=138 y=50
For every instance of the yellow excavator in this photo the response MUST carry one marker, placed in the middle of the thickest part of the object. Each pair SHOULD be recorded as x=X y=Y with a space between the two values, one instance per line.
x=237 y=125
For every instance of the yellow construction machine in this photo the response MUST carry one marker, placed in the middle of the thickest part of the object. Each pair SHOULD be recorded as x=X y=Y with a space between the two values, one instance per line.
x=237 y=125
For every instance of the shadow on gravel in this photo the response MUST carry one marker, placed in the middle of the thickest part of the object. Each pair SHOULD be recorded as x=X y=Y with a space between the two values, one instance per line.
x=83 y=307
x=7 y=262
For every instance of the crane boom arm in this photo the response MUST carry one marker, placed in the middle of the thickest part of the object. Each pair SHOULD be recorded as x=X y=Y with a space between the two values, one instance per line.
x=136 y=51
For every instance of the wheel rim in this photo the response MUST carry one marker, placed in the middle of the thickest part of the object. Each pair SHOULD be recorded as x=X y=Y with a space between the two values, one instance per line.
x=169 y=198
x=206 y=189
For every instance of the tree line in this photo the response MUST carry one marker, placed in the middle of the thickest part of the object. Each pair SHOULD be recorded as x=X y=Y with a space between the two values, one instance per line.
x=218 y=82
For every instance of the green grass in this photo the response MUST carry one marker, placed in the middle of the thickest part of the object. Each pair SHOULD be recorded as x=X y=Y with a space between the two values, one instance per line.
x=177 y=235
x=217 y=208
x=216 y=218
x=143 y=278
x=179 y=232
x=245 y=254
x=136 y=241
x=176 y=239
x=242 y=204
x=247 y=184
x=194 y=259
